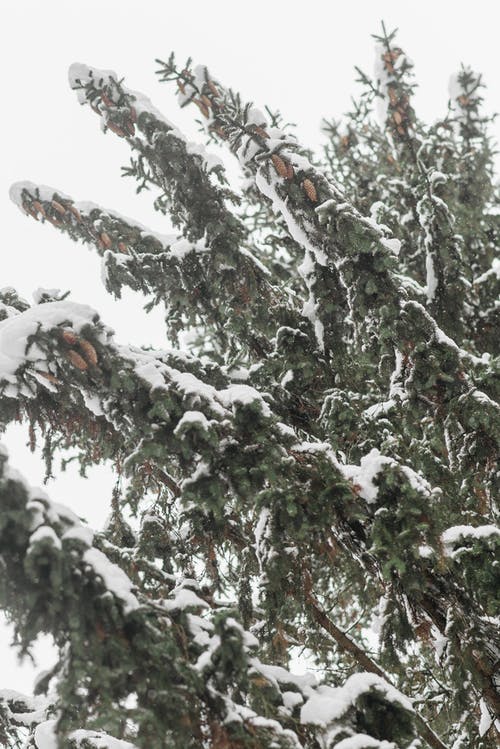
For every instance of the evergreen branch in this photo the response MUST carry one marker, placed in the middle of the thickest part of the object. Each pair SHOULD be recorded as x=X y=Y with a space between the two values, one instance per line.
x=175 y=270
x=359 y=443
x=395 y=560
x=75 y=353
x=20 y=711
x=176 y=166
x=379 y=302
x=278 y=171
x=196 y=283
x=180 y=273
x=329 y=232
x=245 y=130
x=103 y=623
x=103 y=618
x=168 y=434
x=347 y=645
x=136 y=375
x=444 y=266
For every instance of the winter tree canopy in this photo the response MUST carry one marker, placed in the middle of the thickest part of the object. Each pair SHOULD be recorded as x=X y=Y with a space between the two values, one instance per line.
x=308 y=466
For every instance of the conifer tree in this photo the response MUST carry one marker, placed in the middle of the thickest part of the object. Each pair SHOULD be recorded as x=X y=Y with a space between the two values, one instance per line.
x=319 y=460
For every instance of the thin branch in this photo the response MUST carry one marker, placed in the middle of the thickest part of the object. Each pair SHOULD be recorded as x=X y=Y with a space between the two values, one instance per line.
x=349 y=646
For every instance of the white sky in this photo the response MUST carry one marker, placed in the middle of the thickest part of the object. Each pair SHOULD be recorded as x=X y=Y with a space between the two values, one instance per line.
x=294 y=56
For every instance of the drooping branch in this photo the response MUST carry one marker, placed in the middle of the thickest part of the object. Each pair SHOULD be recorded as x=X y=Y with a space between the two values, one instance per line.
x=249 y=136
x=100 y=617
x=346 y=645
x=198 y=206
x=75 y=365
x=331 y=231
x=352 y=437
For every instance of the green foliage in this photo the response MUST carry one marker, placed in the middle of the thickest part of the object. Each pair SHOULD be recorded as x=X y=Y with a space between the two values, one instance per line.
x=321 y=462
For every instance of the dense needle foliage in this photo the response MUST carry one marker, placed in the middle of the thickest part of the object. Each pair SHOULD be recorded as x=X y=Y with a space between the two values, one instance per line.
x=309 y=468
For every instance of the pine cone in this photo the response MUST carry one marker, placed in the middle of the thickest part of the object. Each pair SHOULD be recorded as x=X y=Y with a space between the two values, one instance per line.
x=69 y=337
x=76 y=360
x=310 y=190
x=202 y=107
x=106 y=240
x=39 y=207
x=115 y=129
x=58 y=207
x=89 y=352
x=281 y=166
x=213 y=89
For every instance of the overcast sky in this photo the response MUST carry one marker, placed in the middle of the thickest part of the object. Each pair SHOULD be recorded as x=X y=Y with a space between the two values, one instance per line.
x=294 y=56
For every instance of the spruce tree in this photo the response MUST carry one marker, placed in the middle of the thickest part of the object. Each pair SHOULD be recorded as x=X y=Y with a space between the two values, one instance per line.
x=313 y=454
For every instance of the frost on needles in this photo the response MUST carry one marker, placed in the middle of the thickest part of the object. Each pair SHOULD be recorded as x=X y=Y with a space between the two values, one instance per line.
x=314 y=474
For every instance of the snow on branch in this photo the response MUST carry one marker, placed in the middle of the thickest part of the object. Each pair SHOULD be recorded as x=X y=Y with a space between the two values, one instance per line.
x=393 y=76
x=48 y=533
x=177 y=271
x=22 y=360
x=56 y=528
x=88 y=222
x=166 y=159
x=59 y=353
x=332 y=443
x=461 y=534
x=120 y=108
x=45 y=737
